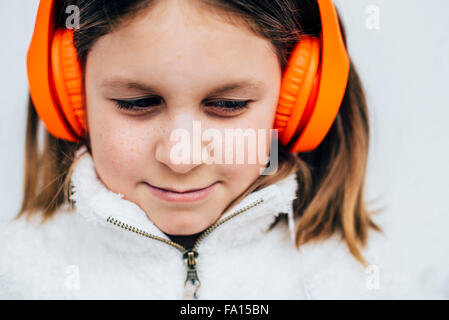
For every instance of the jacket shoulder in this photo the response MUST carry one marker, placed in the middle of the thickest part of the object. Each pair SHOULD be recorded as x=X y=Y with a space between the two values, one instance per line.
x=332 y=272
x=29 y=251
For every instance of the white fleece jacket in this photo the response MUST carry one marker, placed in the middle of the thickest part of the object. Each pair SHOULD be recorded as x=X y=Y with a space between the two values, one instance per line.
x=81 y=254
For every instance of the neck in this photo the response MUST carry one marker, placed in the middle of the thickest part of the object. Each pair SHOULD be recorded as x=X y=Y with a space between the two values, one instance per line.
x=187 y=241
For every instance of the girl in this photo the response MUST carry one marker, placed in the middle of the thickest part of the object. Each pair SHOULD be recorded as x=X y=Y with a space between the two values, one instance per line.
x=108 y=213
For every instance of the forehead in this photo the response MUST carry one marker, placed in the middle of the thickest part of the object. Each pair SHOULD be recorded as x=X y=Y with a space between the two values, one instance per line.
x=181 y=40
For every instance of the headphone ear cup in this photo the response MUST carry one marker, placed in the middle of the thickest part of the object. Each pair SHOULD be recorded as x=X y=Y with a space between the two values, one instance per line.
x=68 y=80
x=297 y=88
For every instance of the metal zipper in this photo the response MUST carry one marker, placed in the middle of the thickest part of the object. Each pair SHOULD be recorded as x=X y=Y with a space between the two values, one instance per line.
x=190 y=255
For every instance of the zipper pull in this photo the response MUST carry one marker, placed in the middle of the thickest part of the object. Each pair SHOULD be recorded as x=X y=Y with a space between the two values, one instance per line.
x=192 y=282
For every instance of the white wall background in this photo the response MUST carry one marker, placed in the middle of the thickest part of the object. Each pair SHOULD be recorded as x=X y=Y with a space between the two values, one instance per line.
x=404 y=65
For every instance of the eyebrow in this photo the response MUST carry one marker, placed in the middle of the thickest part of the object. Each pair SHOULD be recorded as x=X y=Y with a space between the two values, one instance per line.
x=240 y=85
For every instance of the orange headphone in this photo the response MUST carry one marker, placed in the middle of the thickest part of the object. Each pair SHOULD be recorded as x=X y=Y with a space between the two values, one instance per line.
x=312 y=87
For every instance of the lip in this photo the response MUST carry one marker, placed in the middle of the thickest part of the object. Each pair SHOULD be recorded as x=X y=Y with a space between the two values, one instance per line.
x=190 y=195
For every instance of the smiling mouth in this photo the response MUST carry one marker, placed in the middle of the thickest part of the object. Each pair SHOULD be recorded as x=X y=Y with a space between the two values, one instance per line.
x=187 y=196
x=180 y=192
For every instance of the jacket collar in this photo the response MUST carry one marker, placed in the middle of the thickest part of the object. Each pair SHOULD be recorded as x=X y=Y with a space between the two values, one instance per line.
x=96 y=203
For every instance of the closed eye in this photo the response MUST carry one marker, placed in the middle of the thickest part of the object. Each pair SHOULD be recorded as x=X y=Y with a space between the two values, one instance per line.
x=229 y=106
x=137 y=105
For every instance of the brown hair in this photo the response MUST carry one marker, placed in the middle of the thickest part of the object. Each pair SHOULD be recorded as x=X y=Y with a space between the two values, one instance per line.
x=330 y=194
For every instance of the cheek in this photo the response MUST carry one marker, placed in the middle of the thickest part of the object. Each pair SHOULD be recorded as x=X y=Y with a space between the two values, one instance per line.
x=238 y=176
x=259 y=121
x=120 y=150
x=116 y=134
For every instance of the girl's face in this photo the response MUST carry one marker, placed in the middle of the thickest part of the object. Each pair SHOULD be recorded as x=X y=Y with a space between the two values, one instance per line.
x=174 y=58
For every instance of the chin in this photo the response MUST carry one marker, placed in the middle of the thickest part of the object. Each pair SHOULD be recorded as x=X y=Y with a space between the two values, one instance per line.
x=184 y=222
x=183 y=228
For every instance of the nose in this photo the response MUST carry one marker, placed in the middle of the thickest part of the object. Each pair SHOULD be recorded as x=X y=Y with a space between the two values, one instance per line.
x=180 y=148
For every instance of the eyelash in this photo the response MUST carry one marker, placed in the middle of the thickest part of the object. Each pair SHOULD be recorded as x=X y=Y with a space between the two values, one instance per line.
x=229 y=106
